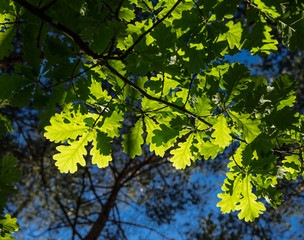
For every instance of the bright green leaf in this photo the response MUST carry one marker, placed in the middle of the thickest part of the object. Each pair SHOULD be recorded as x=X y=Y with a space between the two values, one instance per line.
x=182 y=155
x=221 y=132
x=71 y=155
x=250 y=128
x=250 y=208
x=102 y=149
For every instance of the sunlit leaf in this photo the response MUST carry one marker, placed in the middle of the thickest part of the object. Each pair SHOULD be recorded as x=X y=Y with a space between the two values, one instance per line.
x=221 y=132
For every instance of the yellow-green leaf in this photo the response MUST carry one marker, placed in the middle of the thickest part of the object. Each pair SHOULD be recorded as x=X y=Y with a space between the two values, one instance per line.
x=221 y=132
x=71 y=155
x=182 y=156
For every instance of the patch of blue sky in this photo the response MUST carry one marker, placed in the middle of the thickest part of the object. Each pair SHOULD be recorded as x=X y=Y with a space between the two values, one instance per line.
x=245 y=57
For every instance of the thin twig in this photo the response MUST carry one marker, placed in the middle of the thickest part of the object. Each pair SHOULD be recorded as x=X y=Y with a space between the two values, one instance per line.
x=190 y=85
x=143 y=226
x=77 y=75
x=105 y=108
x=118 y=10
x=93 y=187
x=67 y=216
x=74 y=69
x=78 y=204
x=114 y=71
x=202 y=15
x=149 y=30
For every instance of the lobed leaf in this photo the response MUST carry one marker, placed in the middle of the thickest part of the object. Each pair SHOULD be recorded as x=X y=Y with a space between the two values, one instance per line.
x=71 y=155
x=102 y=148
x=249 y=208
x=182 y=155
x=221 y=132
x=250 y=128
x=134 y=140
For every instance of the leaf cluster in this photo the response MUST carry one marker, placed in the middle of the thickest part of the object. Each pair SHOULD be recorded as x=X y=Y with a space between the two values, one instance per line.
x=88 y=66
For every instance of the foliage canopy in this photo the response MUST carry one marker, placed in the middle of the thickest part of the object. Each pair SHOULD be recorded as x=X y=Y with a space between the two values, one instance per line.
x=87 y=64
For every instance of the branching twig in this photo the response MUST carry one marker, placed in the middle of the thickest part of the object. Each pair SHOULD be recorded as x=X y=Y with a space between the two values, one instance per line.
x=200 y=11
x=77 y=75
x=105 y=108
x=93 y=187
x=68 y=32
x=78 y=204
x=67 y=216
x=154 y=98
x=143 y=226
x=190 y=85
x=149 y=30
x=118 y=10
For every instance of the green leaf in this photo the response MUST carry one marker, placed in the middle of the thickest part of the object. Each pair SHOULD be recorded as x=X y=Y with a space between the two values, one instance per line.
x=250 y=128
x=282 y=119
x=102 y=148
x=124 y=42
x=202 y=105
x=151 y=126
x=9 y=224
x=266 y=187
x=250 y=208
x=111 y=123
x=234 y=34
x=5 y=125
x=97 y=93
x=261 y=39
x=134 y=140
x=182 y=156
x=126 y=14
x=284 y=91
x=269 y=7
x=232 y=190
x=7 y=34
x=235 y=81
x=221 y=132
x=9 y=174
x=205 y=147
x=292 y=166
x=164 y=138
x=238 y=196
x=67 y=125
x=71 y=155
x=167 y=81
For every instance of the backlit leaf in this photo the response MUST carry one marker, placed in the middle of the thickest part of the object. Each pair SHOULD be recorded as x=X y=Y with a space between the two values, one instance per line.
x=221 y=132
x=182 y=155
x=134 y=140
x=250 y=128
x=71 y=155
x=250 y=208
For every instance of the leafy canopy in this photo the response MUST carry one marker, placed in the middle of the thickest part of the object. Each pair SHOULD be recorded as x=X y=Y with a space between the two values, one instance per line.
x=88 y=64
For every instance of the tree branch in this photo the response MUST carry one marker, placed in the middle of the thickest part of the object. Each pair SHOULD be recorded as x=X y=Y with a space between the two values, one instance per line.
x=68 y=32
x=67 y=216
x=154 y=98
x=143 y=226
x=103 y=216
